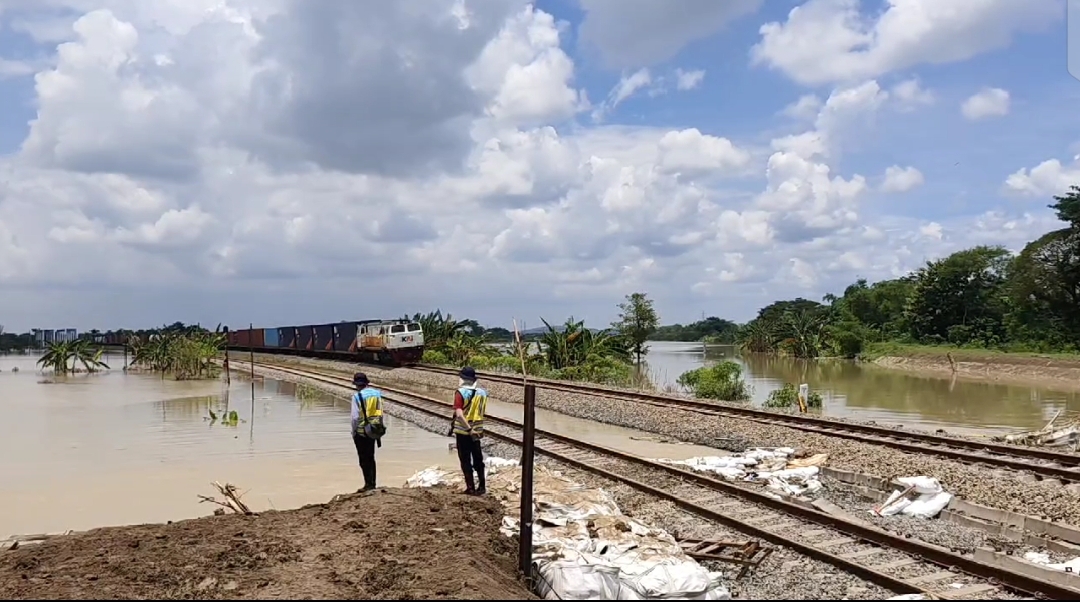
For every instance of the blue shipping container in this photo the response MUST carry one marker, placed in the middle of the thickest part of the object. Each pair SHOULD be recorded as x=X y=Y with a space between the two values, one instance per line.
x=271 y=337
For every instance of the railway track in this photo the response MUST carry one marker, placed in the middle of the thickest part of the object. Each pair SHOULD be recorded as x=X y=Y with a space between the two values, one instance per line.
x=902 y=565
x=1044 y=464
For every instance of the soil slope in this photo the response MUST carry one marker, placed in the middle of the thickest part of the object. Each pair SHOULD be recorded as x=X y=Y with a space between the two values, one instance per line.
x=399 y=544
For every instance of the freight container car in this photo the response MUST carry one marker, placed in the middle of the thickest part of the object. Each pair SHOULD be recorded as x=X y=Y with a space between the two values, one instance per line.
x=305 y=338
x=393 y=342
x=324 y=337
x=287 y=337
x=345 y=337
x=270 y=337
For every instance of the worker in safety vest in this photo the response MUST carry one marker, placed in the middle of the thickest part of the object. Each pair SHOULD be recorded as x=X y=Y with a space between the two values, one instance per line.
x=367 y=426
x=470 y=404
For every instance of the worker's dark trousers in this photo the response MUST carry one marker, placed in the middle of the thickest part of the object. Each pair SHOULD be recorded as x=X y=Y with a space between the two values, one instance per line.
x=471 y=456
x=365 y=449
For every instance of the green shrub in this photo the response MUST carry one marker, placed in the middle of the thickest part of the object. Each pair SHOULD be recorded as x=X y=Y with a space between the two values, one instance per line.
x=722 y=381
x=788 y=396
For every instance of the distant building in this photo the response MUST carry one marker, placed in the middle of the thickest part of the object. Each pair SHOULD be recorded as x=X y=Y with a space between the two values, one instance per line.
x=44 y=336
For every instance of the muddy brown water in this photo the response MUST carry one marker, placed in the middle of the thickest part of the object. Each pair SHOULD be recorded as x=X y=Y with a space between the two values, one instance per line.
x=874 y=393
x=117 y=448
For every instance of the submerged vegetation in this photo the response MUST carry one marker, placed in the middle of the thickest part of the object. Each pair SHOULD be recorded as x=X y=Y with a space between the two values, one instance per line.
x=185 y=355
x=65 y=357
x=788 y=397
x=722 y=381
x=568 y=351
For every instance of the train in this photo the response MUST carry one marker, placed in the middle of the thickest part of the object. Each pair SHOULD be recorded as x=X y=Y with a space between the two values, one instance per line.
x=388 y=342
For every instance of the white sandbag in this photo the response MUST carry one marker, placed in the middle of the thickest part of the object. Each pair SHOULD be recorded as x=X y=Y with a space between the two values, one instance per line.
x=670 y=581
x=576 y=580
x=584 y=548
x=928 y=506
x=922 y=484
x=909 y=597
x=923 y=497
x=1043 y=559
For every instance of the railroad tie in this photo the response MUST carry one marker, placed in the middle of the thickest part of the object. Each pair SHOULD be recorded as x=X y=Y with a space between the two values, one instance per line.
x=938 y=576
x=832 y=543
x=971 y=590
x=813 y=533
x=895 y=564
x=862 y=553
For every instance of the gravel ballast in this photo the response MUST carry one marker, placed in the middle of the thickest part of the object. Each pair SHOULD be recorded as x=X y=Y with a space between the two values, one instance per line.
x=1004 y=490
x=784 y=575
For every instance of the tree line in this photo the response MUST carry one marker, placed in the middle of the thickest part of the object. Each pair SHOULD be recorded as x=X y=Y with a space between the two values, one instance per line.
x=982 y=297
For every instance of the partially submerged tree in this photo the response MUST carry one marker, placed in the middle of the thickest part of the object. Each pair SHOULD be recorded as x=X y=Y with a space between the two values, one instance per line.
x=637 y=321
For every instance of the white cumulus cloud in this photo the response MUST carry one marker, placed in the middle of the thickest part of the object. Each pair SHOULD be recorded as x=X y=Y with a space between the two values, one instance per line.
x=901 y=179
x=988 y=102
x=275 y=161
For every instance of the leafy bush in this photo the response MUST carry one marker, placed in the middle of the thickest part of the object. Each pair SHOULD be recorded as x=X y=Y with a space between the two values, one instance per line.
x=722 y=381
x=788 y=396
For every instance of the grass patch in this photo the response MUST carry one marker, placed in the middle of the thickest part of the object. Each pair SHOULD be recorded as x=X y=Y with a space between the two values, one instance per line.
x=874 y=351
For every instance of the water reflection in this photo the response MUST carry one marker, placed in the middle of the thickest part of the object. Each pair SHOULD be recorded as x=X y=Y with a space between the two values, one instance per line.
x=873 y=393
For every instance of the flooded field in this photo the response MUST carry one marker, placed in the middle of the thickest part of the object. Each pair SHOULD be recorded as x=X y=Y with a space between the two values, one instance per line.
x=117 y=448
x=873 y=393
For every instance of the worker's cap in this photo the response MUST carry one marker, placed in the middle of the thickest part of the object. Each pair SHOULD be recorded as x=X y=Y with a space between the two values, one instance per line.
x=468 y=373
x=360 y=379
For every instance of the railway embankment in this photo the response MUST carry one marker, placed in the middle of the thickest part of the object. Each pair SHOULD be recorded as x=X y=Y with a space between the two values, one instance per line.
x=1007 y=490
x=784 y=574
x=792 y=573
x=1058 y=371
x=398 y=544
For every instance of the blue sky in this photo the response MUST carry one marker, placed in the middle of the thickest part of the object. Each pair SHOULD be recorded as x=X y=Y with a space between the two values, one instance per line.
x=422 y=149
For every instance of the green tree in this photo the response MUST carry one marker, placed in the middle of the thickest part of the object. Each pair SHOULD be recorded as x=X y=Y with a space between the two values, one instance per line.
x=637 y=321
x=961 y=298
x=1067 y=207
x=1044 y=283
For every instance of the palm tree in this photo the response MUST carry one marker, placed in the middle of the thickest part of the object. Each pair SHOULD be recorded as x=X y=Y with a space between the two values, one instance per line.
x=758 y=336
x=574 y=344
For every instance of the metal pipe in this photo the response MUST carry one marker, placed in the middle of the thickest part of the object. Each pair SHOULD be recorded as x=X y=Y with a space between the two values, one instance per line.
x=528 y=451
x=228 y=377
x=251 y=349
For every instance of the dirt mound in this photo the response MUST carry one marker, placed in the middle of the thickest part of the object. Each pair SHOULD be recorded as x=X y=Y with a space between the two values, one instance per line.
x=399 y=544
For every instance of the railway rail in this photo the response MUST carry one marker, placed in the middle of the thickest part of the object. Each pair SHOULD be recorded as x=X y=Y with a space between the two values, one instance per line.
x=902 y=565
x=1045 y=464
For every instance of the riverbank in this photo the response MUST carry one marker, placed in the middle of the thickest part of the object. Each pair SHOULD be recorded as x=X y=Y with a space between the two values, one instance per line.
x=1057 y=370
x=400 y=544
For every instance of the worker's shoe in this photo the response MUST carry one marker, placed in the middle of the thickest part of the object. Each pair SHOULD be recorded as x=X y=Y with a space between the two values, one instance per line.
x=481 y=491
x=469 y=491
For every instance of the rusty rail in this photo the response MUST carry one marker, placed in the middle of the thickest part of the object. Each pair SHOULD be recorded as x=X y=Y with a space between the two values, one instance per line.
x=964 y=450
x=861 y=532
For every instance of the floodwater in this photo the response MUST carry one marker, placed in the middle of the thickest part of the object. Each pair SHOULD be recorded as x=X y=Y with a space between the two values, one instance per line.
x=873 y=393
x=116 y=448
x=123 y=448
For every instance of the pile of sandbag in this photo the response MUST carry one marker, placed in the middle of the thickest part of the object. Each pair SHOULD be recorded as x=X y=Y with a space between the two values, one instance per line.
x=921 y=497
x=584 y=547
x=775 y=467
